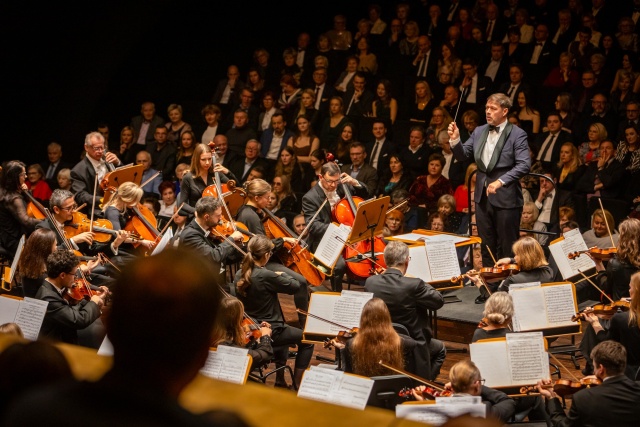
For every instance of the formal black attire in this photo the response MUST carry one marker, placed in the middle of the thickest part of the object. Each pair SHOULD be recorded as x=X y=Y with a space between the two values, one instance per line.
x=203 y=243
x=238 y=169
x=192 y=187
x=83 y=176
x=498 y=215
x=482 y=92
x=57 y=167
x=14 y=221
x=383 y=152
x=367 y=175
x=163 y=159
x=416 y=163
x=408 y=298
x=554 y=145
x=136 y=124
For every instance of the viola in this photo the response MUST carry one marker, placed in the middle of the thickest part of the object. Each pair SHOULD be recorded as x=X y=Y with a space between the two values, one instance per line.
x=102 y=229
x=429 y=393
x=251 y=330
x=490 y=274
x=596 y=253
x=342 y=338
x=604 y=309
x=292 y=255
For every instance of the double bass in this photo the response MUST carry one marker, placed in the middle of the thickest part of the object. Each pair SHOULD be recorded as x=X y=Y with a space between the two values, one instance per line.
x=292 y=255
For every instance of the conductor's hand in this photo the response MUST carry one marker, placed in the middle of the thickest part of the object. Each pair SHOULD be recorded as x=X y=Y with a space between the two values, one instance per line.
x=453 y=131
x=493 y=187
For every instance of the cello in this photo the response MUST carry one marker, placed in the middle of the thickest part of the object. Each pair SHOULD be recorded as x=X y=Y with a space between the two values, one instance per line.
x=292 y=255
x=229 y=193
x=142 y=223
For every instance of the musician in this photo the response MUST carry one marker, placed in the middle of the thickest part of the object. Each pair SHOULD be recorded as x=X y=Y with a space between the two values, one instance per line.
x=228 y=330
x=377 y=340
x=251 y=215
x=330 y=189
x=532 y=266
x=615 y=402
x=32 y=269
x=156 y=355
x=408 y=298
x=200 y=176
x=466 y=380
x=116 y=210
x=258 y=288
x=497 y=315
x=14 y=221
x=62 y=320
x=502 y=154
x=598 y=235
x=97 y=161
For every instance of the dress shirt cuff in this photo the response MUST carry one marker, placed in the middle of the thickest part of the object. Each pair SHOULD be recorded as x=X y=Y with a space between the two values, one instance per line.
x=538 y=204
x=454 y=142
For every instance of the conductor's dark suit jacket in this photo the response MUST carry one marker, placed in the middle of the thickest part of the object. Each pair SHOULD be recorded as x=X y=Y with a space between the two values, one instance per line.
x=62 y=321
x=510 y=162
x=311 y=203
x=616 y=402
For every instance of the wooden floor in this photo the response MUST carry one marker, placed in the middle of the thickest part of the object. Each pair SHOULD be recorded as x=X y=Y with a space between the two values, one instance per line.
x=456 y=351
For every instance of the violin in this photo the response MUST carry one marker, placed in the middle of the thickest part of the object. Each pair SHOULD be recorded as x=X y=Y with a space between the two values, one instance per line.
x=292 y=255
x=102 y=229
x=490 y=274
x=429 y=393
x=604 y=309
x=226 y=228
x=596 y=253
x=341 y=338
x=564 y=387
x=251 y=330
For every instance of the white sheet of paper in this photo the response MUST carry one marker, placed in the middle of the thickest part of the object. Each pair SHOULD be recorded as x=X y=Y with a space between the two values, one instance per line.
x=227 y=364
x=419 y=265
x=163 y=242
x=573 y=241
x=528 y=359
x=344 y=309
x=336 y=387
x=492 y=361
x=30 y=315
x=438 y=413
x=443 y=260
x=529 y=310
x=332 y=243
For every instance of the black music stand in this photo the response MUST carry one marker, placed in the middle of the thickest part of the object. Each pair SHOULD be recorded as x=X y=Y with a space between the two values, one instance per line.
x=368 y=223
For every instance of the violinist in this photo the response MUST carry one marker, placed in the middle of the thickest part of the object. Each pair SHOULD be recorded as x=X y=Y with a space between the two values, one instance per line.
x=376 y=340
x=258 y=289
x=228 y=330
x=62 y=321
x=466 y=380
x=616 y=402
x=14 y=221
x=408 y=298
x=97 y=161
x=623 y=327
x=251 y=214
x=116 y=210
x=496 y=317
x=530 y=261
x=200 y=176
x=32 y=269
x=330 y=189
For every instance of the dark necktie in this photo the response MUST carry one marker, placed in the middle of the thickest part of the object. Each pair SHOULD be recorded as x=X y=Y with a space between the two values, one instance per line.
x=547 y=148
x=50 y=171
x=511 y=91
x=493 y=128
x=374 y=152
x=489 y=29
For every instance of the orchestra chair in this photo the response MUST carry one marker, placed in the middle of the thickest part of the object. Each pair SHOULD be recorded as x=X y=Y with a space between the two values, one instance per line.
x=262 y=373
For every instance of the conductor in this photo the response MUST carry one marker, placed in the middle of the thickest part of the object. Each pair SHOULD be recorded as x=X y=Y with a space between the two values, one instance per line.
x=501 y=152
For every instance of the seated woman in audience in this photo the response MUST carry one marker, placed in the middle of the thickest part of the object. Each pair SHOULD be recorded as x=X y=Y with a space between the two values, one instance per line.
x=421 y=106
x=289 y=65
x=528 y=115
x=367 y=61
x=385 y=106
x=427 y=189
x=496 y=317
x=64 y=179
x=37 y=185
x=447 y=210
x=569 y=168
x=628 y=151
x=288 y=201
x=307 y=109
x=316 y=159
x=449 y=59
x=14 y=221
x=32 y=269
x=568 y=226
x=566 y=215
x=589 y=151
x=377 y=340
x=514 y=49
x=440 y=120
x=187 y=147
x=258 y=289
x=622 y=95
x=563 y=106
x=167 y=202
x=435 y=222
x=267 y=110
x=289 y=100
x=229 y=330
x=344 y=82
x=393 y=223
x=255 y=83
x=598 y=235
x=462 y=192
x=393 y=178
x=127 y=139
x=532 y=267
x=288 y=166
x=304 y=141
x=340 y=147
x=332 y=125
x=176 y=125
x=564 y=77
x=529 y=221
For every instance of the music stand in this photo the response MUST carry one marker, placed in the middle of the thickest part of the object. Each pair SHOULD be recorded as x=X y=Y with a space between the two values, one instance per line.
x=369 y=222
x=119 y=176
x=386 y=389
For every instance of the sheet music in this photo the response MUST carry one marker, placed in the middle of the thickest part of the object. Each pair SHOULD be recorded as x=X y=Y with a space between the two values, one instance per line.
x=30 y=315
x=561 y=304
x=573 y=241
x=227 y=364
x=529 y=310
x=414 y=237
x=419 y=265
x=443 y=260
x=8 y=309
x=332 y=243
x=492 y=361
x=528 y=360
x=163 y=242
x=344 y=309
x=438 y=413
x=336 y=387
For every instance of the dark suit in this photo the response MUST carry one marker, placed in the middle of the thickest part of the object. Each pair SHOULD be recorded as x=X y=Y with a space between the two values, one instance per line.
x=431 y=70
x=408 y=299
x=482 y=92
x=616 y=402
x=562 y=137
x=325 y=96
x=611 y=177
x=385 y=151
x=164 y=159
x=505 y=87
x=367 y=175
x=498 y=215
x=548 y=58
x=359 y=108
x=502 y=74
x=265 y=141
x=53 y=182
x=234 y=96
x=136 y=124
x=561 y=198
x=83 y=177
x=62 y=321
x=237 y=168
x=499 y=30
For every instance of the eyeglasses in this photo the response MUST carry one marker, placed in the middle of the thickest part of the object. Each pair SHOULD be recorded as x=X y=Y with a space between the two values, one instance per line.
x=99 y=148
x=70 y=208
x=329 y=181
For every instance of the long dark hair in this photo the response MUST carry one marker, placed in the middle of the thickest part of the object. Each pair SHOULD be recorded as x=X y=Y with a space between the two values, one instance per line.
x=10 y=176
x=32 y=262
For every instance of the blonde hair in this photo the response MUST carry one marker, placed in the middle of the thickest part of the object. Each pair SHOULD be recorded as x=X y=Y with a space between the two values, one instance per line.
x=257 y=187
x=575 y=157
x=11 y=329
x=605 y=215
x=198 y=151
x=629 y=242
x=499 y=308
x=462 y=376
x=634 y=307
x=534 y=211
x=128 y=193
x=530 y=253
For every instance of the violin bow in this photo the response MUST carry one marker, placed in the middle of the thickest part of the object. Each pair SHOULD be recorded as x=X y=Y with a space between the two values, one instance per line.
x=410 y=375
x=613 y=245
x=151 y=178
x=227 y=239
x=306 y=313
x=397 y=206
x=313 y=218
x=459 y=102
x=564 y=367
x=166 y=227
x=216 y=182
x=491 y=253
x=364 y=256
x=93 y=202
x=595 y=286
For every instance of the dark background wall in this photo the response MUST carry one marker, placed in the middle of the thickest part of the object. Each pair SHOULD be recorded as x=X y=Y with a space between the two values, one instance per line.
x=67 y=66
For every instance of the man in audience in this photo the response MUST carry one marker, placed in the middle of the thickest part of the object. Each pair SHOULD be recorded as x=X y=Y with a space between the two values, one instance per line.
x=225 y=157
x=145 y=125
x=274 y=139
x=474 y=88
x=240 y=133
x=227 y=92
x=358 y=101
x=632 y=118
x=381 y=148
x=152 y=186
x=359 y=169
x=515 y=85
x=54 y=164
x=548 y=143
x=243 y=165
x=163 y=154
x=549 y=201
x=495 y=66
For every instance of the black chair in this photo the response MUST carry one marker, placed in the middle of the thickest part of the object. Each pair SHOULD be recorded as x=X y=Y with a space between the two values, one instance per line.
x=262 y=373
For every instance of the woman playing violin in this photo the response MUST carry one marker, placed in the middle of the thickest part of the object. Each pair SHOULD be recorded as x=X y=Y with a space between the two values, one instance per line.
x=530 y=262
x=377 y=340
x=251 y=214
x=496 y=317
x=200 y=176
x=258 y=289
x=228 y=330
x=116 y=210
